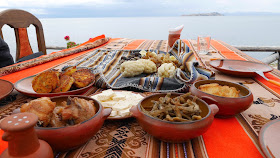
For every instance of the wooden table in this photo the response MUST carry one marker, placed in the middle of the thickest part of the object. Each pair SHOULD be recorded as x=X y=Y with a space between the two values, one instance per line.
x=231 y=137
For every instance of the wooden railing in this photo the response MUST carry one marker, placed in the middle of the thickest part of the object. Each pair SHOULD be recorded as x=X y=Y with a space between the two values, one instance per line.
x=268 y=60
x=55 y=47
x=259 y=48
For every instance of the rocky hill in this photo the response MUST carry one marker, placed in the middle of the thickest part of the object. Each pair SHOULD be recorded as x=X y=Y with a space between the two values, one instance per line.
x=205 y=14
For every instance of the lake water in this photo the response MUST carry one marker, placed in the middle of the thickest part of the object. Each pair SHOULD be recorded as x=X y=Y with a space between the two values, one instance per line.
x=234 y=30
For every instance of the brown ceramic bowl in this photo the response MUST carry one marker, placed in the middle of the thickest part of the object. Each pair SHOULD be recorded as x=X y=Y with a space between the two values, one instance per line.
x=240 y=68
x=174 y=131
x=228 y=107
x=66 y=138
x=6 y=88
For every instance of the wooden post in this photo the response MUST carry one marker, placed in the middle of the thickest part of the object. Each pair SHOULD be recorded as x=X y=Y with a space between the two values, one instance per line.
x=271 y=58
x=278 y=61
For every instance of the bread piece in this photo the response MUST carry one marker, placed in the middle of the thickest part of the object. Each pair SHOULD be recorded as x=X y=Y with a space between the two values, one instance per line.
x=46 y=81
x=216 y=89
x=65 y=83
x=83 y=77
x=70 y=70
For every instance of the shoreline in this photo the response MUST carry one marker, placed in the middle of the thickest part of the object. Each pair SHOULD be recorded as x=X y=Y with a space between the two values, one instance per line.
x=204 y=14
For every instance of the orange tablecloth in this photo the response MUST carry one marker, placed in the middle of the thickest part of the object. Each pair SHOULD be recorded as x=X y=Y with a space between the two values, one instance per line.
x=226 y=137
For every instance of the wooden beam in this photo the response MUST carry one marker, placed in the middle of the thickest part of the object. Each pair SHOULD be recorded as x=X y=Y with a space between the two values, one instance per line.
x=55 y=47
x=259 y=48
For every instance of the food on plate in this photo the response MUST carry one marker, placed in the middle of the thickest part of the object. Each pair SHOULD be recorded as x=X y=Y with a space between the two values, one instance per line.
x=70 y=70
x=134 y=68
x=176 y=109
x=65 y=83
x=149 y=66
x=216 y=89
x=153 y=57
x=119 y=101
x=55 y=81
x=73 y=111
x=83 y=77
x=143 y=53
x=160 y=59
x=46 y=81
x=166 y=70
x=164 y=65
x=42 y=107
x=131 y=68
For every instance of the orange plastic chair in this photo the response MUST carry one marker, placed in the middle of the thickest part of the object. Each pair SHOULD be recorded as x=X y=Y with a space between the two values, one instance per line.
x=20 y=20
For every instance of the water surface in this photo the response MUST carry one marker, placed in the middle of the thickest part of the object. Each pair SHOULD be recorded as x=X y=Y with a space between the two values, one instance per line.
x=234 y=30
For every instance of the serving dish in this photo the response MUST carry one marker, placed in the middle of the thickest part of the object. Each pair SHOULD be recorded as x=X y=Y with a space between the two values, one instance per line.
x=66 y=138
x=24 y=86
x=269 y=139
x=228 y=106
x=143 y=82
x=239 y=68
x=6 y=88
x=174 y=131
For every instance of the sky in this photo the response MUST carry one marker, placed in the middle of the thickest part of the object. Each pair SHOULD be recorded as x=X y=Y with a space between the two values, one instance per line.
x=135 y=8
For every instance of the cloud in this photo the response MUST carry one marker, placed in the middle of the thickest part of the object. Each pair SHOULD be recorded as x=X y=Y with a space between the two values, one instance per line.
x=38 y=11
x=113 y=8
x=53 y=3
x=31 y=10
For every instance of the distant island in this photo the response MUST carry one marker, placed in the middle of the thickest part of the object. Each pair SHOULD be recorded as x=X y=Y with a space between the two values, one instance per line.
x=205 y=14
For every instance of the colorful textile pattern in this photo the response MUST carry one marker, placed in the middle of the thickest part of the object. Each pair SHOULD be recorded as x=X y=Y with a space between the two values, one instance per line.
x=106 y=65
x=247 y=124
x=121 y=139
x=227 y=137
x=43 y=59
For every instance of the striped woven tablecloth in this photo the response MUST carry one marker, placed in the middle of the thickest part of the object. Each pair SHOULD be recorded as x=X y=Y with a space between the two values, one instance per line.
x=231 y=137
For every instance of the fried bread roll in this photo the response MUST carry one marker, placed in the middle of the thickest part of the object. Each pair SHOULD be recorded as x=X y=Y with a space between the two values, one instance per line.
x=83 y=77
x=65 y=83
x=46 y=81
x=69 y=71
x=42 y=107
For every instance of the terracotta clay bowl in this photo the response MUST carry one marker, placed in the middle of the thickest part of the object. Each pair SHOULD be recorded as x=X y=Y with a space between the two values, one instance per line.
x=240 y=68
x=175 y=132
x=228 y=107
x=6 y=88
x=66 y=138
